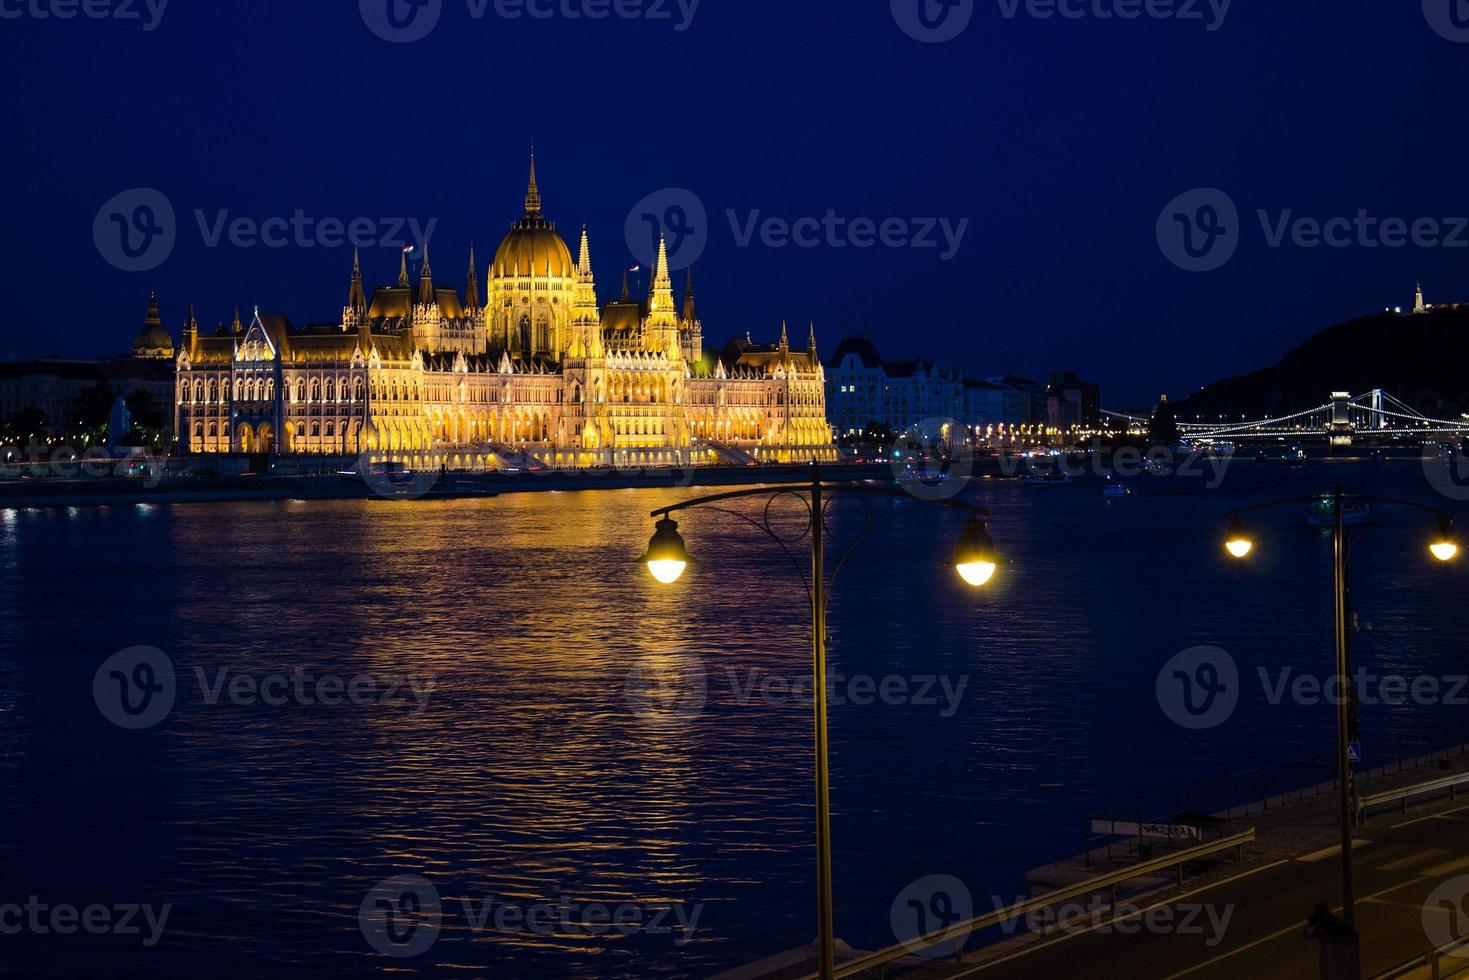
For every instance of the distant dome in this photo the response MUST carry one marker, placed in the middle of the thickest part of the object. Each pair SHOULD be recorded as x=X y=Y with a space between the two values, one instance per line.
x=533 y=248
x=152 y=339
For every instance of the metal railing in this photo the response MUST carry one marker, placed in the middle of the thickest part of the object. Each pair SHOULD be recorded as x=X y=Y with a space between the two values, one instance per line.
x=1110 y=882
x=1406 y=793
x=1446 y=961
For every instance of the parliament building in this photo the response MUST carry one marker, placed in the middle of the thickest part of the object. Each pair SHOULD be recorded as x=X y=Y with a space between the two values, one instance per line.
x=536 y=373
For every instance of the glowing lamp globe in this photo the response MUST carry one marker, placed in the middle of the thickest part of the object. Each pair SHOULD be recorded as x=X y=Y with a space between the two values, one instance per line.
x=1238 y=542
x=1445 y=544
x=975 y=558
x=667 y=557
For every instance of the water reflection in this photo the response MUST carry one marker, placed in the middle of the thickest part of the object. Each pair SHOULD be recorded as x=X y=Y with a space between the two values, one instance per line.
x=591 y=736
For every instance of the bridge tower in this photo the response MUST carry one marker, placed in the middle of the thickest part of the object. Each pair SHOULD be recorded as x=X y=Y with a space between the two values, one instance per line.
x=1376 y=419
x=1339 y=426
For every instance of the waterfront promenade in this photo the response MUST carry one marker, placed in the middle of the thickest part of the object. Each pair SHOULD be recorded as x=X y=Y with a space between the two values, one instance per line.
x=1245 y=916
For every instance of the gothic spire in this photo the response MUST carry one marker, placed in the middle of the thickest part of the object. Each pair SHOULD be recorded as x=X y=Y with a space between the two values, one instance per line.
x=532 y=191
x=584 y=263
x=626 y=293
x=356 y=299
x=689 y=310
x=426 y=280
x=785 y=340
x=403 y=270
x=471 y=288
x=811 y=338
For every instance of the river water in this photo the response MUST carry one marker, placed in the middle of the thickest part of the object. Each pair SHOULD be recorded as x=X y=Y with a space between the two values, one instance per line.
x=581 y=735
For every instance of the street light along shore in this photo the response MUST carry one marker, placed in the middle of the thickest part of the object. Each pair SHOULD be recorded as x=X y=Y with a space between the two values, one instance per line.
x=1444 y=546
x=975 y=561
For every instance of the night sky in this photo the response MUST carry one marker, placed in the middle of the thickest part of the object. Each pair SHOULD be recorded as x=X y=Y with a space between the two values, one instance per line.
x=1060 y=140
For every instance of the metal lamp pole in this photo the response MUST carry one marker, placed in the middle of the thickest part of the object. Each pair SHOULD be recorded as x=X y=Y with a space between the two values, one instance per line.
x=1345 y=938
x=667 y=546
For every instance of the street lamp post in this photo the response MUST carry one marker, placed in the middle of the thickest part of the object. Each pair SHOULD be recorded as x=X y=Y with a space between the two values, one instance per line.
x=975 y=561
x=1444 y=547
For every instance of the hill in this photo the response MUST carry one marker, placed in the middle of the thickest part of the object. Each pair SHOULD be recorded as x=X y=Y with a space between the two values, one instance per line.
x=1421 y=358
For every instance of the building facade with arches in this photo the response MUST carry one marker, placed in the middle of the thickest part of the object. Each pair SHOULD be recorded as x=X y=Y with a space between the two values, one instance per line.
x=540 y=373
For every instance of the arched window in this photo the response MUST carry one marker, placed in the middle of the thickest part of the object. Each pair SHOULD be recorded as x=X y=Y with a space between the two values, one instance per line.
x=331 y=390
x=357 y=390
x=315 y=389
x=199 y=390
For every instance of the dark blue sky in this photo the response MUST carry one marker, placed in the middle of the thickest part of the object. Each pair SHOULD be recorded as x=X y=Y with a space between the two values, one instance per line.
x=1060 y=141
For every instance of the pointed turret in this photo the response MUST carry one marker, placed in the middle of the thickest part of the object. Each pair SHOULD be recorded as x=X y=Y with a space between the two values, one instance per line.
x=662 y=322
x=586 y=321
x=532 y=191
x=811 y=338
x=356 y=298
x=403 y=270
x=426 y=281
x=626 y=293
x=690 y=312
x=471 y=286
x=237 y=326
x=785 y=339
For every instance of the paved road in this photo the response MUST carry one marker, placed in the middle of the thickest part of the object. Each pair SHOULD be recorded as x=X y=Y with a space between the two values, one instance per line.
x=1400 y=861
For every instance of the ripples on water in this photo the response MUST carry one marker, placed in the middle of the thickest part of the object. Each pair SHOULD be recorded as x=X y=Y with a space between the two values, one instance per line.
x=529 y=777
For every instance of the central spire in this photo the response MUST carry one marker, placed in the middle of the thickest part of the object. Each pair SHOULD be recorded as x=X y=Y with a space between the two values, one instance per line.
x=532 y=191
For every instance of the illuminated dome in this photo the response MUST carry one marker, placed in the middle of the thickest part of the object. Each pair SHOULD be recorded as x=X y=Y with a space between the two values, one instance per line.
x=533 y=248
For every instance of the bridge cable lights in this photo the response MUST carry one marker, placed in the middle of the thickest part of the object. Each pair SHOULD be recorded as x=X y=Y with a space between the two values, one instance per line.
x=1444 y=546
x=975 y=561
